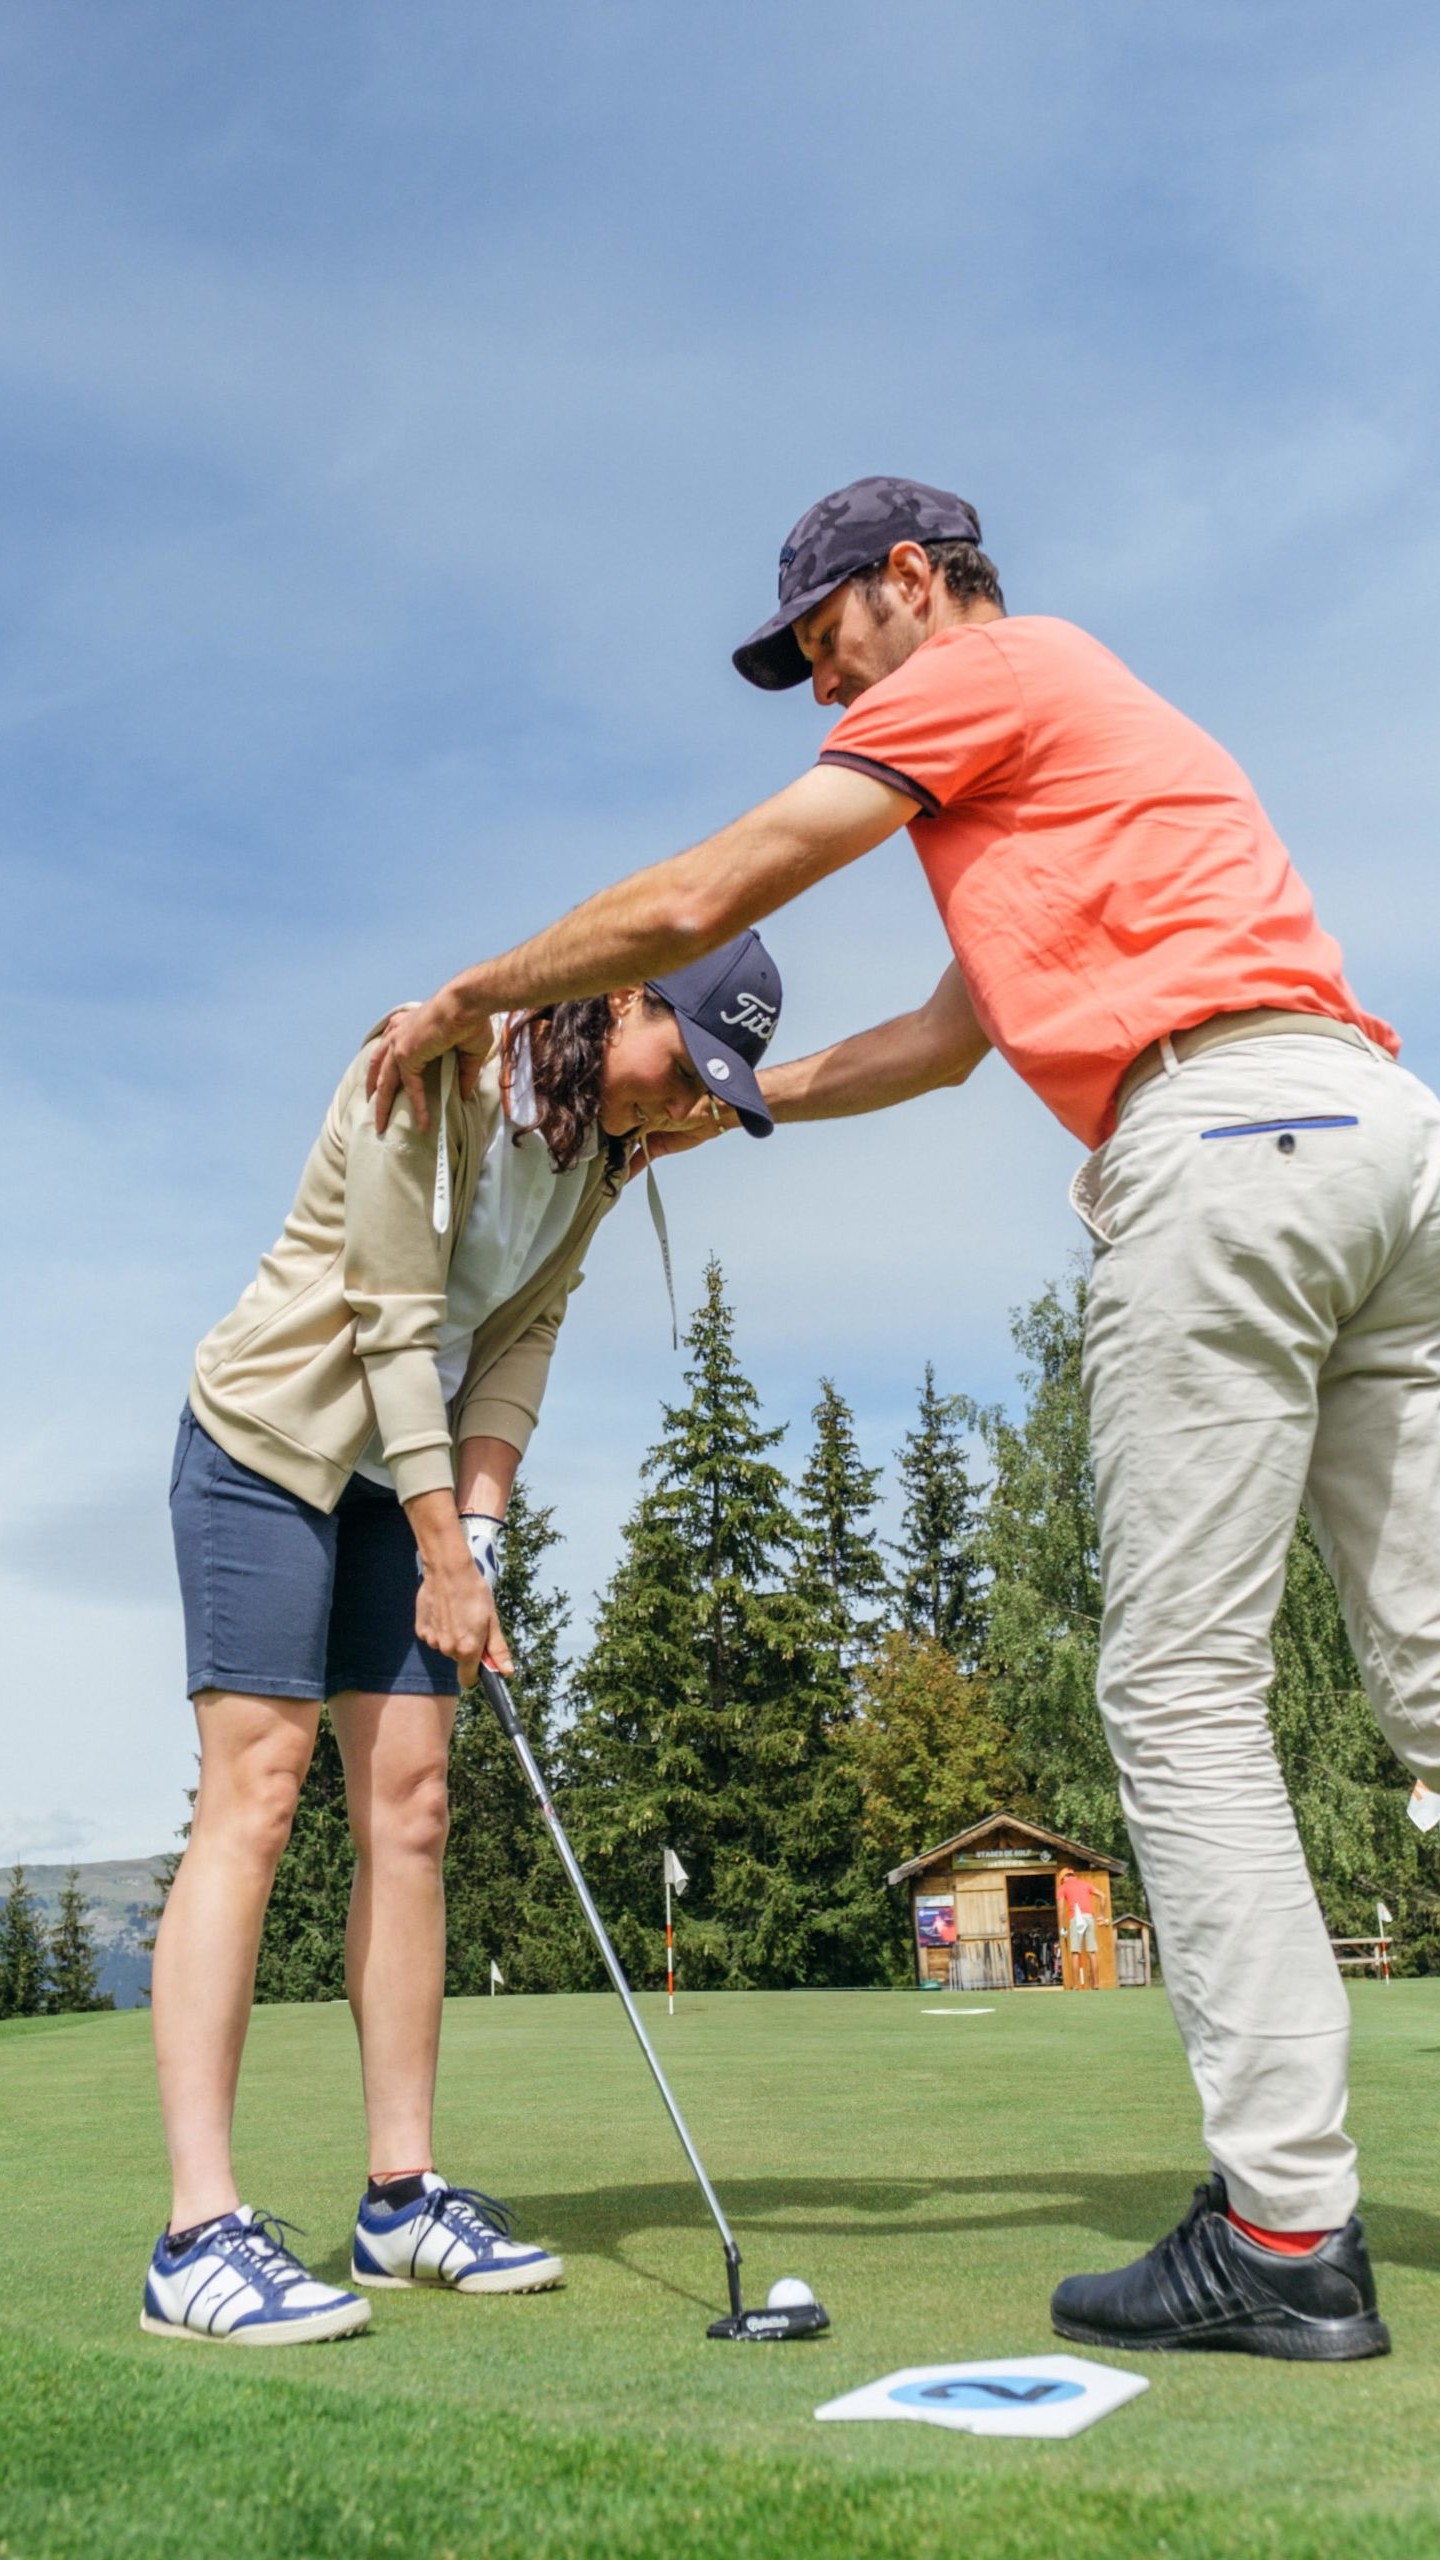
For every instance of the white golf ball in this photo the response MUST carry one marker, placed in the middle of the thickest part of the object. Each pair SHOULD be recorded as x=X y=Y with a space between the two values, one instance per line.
x=787 y=2294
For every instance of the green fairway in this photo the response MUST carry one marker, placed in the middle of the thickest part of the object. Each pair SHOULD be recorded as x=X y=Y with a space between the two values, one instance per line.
x=931 y=2176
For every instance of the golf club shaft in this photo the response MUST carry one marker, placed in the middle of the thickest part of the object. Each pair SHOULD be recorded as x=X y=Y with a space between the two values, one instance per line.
x=510 y=1725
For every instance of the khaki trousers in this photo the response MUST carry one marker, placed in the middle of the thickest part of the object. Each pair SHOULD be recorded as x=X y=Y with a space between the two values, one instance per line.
x=1264 y=1330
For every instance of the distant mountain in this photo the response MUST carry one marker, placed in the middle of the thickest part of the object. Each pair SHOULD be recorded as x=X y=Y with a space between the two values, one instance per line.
x=121 y=1895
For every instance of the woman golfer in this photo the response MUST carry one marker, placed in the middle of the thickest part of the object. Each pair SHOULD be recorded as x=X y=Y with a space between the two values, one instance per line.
x=362 y=1411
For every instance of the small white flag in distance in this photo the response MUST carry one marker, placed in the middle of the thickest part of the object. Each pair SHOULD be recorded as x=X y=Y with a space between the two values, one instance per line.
x=1424 y=1806
x=674 y=1873
x=496 y=1975
x=1385 y=1918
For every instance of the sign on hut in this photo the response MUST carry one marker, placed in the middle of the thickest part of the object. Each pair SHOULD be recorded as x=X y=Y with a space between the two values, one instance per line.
x=985 y=1913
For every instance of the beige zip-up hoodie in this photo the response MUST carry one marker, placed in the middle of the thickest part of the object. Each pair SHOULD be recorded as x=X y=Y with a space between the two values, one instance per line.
x=336 y=1335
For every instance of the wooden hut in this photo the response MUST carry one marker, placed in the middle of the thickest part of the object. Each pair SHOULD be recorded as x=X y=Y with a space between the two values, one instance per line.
x=983 y=1909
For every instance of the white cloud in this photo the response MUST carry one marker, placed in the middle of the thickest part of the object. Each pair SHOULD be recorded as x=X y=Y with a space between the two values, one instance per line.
x=25 y=1837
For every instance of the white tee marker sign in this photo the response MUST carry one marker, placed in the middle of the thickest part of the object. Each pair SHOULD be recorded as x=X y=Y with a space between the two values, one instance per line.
x=1021 y=2396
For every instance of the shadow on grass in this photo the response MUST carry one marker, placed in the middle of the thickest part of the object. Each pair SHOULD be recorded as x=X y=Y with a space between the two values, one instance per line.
x=1401 y=2236
x=1131 y=2210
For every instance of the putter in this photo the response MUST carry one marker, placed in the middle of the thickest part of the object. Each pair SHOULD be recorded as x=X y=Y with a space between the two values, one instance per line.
x=787 y=2320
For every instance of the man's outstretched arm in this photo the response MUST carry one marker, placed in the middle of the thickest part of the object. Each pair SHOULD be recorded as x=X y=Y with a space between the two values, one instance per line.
x=940 y=1043
x=655 y=921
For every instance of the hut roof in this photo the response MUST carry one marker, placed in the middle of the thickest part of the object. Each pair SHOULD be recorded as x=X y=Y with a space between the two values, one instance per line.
x=993 y=1822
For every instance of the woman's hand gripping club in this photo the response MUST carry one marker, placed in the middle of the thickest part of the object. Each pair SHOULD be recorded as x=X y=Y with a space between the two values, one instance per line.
x=455 y=1606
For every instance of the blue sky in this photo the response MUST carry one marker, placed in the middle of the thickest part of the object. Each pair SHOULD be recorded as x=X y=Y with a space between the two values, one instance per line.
x=403 y=408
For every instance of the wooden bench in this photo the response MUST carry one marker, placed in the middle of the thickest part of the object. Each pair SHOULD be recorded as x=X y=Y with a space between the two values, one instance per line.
x=1364 y=1955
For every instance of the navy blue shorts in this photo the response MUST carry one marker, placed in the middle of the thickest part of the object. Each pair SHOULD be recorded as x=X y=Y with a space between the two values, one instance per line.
x=284 y=1601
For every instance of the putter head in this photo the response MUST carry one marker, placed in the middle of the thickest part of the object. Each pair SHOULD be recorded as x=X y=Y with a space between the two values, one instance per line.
x=799 y=2320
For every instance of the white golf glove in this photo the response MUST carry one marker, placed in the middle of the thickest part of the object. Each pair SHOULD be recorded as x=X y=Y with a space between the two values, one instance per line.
x=482 y=1530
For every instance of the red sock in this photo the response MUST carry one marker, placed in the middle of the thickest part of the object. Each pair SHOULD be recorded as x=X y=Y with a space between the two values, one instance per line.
x=1286 y=2244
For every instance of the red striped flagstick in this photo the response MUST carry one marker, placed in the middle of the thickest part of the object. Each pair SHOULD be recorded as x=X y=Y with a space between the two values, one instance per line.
x=674 y=1876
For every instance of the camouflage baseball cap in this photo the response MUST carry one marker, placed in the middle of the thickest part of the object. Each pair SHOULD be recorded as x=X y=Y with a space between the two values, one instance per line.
x=843 y=533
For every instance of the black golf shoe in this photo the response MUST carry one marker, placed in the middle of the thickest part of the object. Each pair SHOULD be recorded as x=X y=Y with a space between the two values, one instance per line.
x=1206 y=2285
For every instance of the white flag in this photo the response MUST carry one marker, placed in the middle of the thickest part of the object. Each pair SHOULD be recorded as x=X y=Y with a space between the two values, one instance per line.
x=496 y=1975
x=1424 y=1806
x=1385 y=1918
x=674 y=1873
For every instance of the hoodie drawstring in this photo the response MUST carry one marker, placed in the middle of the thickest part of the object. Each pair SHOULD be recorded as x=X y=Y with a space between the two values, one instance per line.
x=440 y=1205
x=657 y=1219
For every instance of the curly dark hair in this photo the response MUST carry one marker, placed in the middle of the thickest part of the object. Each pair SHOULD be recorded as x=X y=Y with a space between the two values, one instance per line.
x=567 y=1057
x=965 y=568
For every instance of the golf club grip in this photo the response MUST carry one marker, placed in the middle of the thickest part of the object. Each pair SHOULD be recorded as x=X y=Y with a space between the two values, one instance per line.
x=500 y=1699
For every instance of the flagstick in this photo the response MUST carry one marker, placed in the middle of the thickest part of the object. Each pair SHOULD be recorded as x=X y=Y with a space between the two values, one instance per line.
x=669 y=1946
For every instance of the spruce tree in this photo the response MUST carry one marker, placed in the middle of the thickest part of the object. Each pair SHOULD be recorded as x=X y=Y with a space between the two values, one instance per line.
x=302 y=1945
x=74 y=1956
x=941 y=1579
x=302 y=1941
x=507 y=1900
x=840 y=1554
x=23 y=1954
x=1348 y=1789
x=713 y=1710
x=1042 y=1550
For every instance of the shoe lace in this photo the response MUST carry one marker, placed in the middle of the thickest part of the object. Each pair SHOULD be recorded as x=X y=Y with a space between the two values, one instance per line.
x=480 y=2217
x=261 y=2239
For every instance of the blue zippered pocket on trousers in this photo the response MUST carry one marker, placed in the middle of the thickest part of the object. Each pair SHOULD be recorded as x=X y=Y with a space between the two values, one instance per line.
x=1268 y=1128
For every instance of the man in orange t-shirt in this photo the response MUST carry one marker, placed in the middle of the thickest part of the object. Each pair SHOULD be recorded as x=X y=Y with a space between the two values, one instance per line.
x=1263 y=1191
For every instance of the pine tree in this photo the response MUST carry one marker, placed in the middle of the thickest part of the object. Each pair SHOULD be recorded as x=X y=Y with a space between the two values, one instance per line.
x=74 y=1956
x=713 y=1709
x=507 y=1900
x=302 y=1942
x=302 y=1945
x=1042 y=1550
x=840 y=1554
x=23 y=1955
x=1348 y=1790
x=941 y=1582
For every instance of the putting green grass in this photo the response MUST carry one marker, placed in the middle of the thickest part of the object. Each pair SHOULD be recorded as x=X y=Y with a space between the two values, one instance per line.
x=931 y=2176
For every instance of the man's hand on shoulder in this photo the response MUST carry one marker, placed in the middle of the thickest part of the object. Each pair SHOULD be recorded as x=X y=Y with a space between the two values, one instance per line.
x=414 y=1034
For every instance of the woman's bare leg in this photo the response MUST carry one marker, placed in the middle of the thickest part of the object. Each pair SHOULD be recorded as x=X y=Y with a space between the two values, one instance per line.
x=254 y=1753
x=395 y=1751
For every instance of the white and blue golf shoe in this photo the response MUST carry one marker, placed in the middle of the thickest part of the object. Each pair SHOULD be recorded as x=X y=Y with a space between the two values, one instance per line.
x=453 y=2237
x=238 y=2285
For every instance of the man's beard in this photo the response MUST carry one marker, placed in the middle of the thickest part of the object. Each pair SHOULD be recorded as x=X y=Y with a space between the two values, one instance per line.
x=886 y=653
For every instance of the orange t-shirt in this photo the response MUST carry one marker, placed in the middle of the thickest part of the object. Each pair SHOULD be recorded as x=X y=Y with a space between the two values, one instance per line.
x=1104 y=870
x=1076 y=1893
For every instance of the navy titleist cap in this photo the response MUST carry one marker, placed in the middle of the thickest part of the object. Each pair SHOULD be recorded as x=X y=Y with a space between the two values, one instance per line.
x=849 y=530
x=727 y=1007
